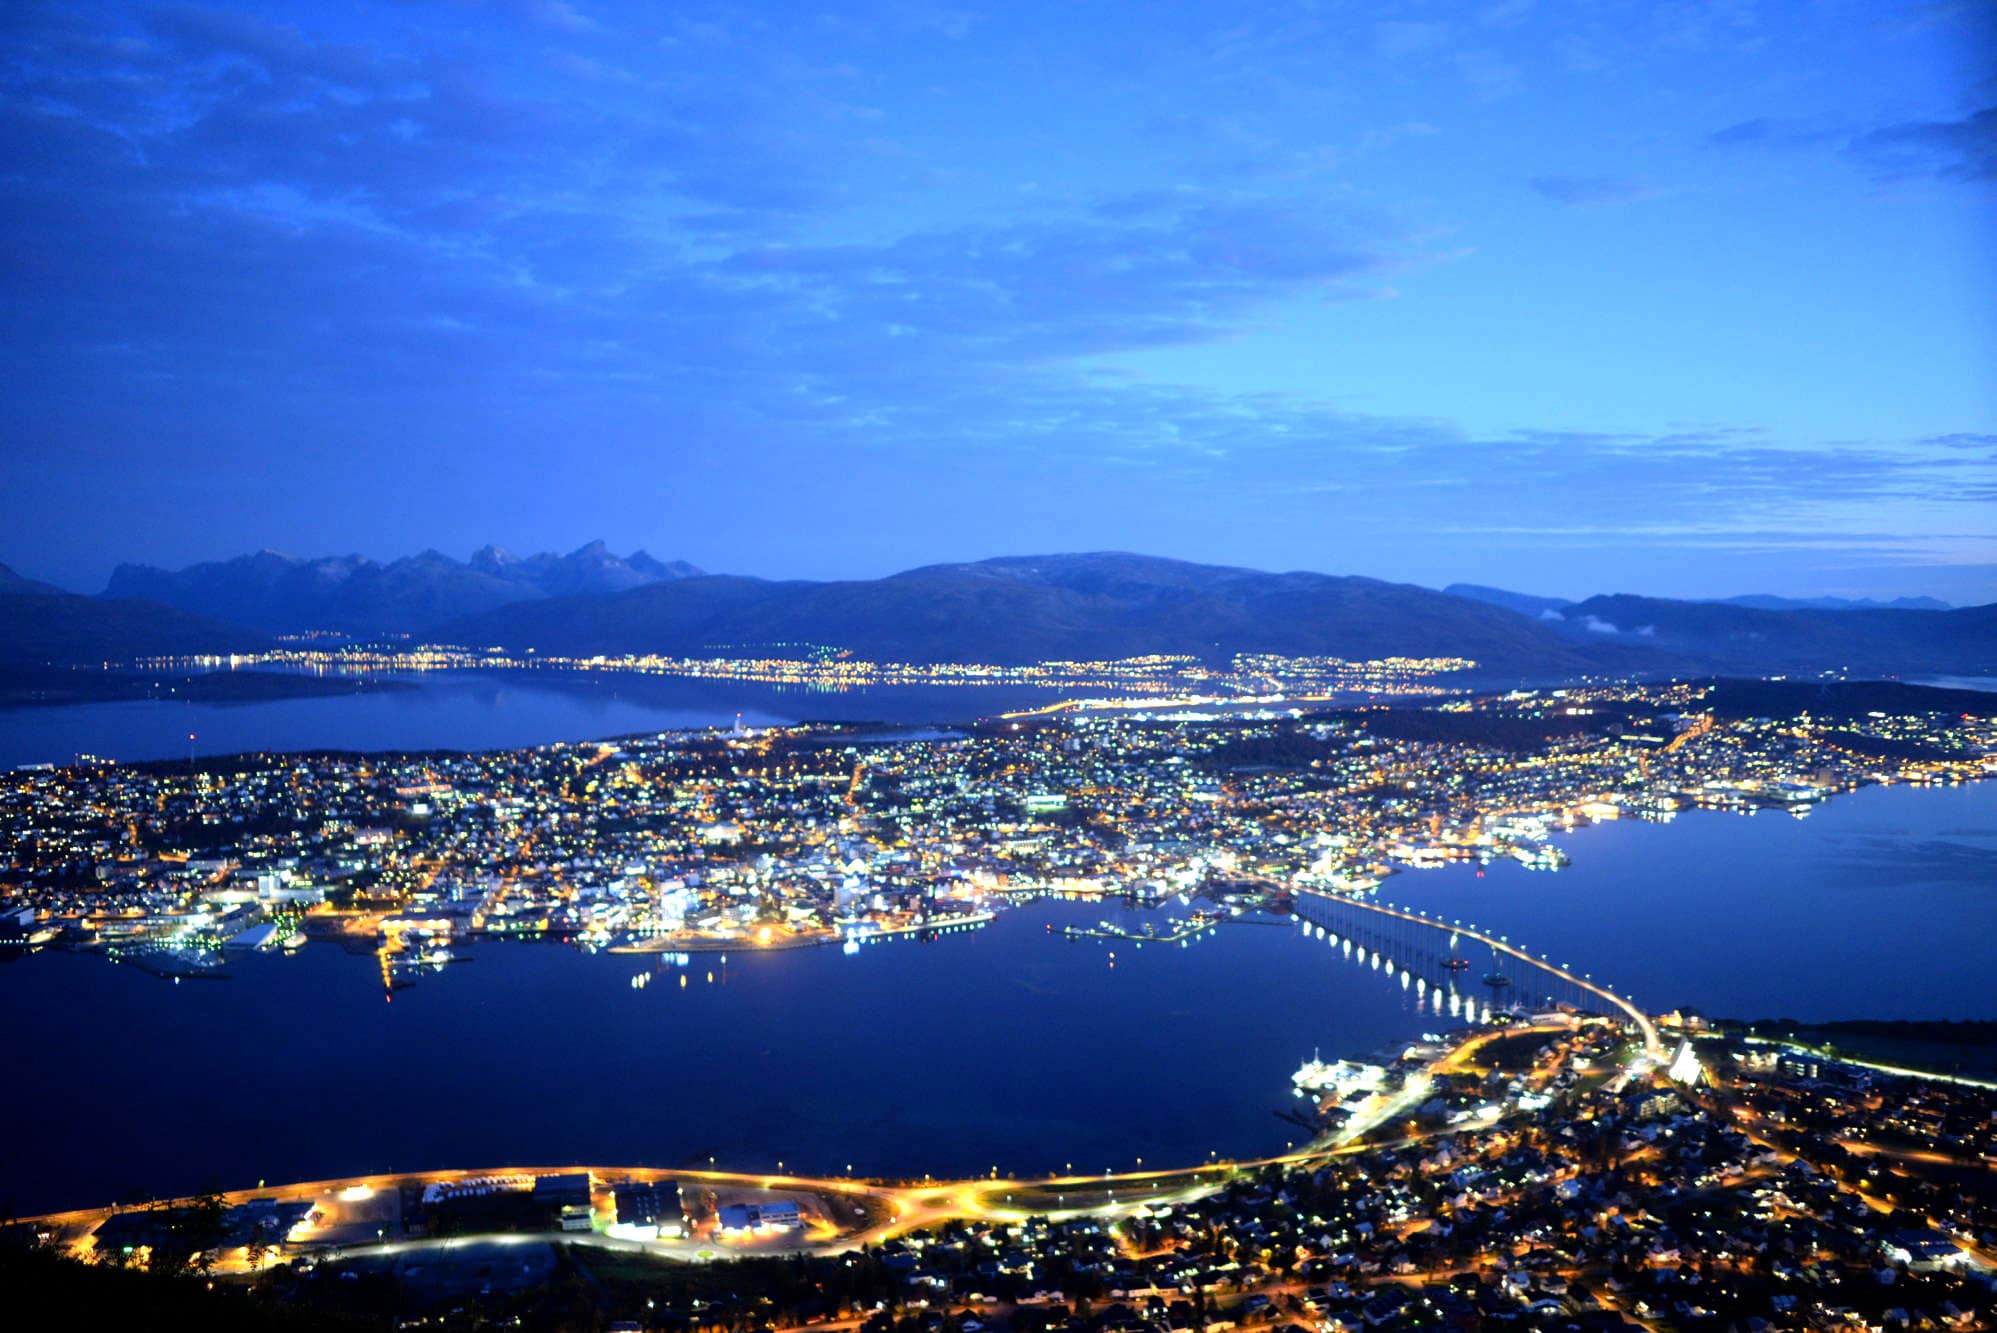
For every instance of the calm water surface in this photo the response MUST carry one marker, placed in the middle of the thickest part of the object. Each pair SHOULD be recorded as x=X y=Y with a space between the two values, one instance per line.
x=1006 y=1047
x=1879 y=904
x=469 y=711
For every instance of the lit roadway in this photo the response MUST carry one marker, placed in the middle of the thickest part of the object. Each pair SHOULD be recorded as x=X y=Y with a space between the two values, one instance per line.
x=359 y=1211
x=892 y=1210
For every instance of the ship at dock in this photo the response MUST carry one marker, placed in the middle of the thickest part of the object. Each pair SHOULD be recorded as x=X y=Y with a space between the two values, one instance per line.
x=1335 y=1079
x=859 y=931
x=1539 y=856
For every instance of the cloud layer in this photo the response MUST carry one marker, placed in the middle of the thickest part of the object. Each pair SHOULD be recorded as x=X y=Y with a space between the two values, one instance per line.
x=421 y=274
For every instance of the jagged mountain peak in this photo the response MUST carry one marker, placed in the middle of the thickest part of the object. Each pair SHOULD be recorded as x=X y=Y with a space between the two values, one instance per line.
x=353 y=594
x=492 y=558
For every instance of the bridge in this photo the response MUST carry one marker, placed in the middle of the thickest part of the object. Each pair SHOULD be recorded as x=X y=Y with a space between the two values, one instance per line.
x=1441 y=961
x=1458 y=969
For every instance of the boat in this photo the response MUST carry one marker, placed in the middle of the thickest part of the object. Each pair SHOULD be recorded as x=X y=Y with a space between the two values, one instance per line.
x=1540 y=856
x=932 y=925
x=424 y=959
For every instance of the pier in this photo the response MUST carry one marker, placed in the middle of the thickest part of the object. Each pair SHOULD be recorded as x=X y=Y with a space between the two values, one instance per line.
x=1181 y=932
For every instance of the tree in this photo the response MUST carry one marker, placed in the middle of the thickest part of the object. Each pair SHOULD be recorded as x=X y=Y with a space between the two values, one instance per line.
x=187 y=1234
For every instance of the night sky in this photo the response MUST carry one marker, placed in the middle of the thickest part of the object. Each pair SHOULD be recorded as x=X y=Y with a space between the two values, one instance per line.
x=1677 y=298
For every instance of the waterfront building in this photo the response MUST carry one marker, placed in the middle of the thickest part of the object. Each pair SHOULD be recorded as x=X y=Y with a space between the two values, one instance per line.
x=765 y=1215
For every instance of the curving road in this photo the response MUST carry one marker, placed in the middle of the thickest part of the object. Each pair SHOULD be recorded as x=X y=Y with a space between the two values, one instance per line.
x=351 y=1208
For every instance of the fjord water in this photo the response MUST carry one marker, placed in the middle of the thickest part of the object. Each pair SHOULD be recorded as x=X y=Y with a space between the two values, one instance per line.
x=1881 y=903
x=468 y=711
x=1008 y=1046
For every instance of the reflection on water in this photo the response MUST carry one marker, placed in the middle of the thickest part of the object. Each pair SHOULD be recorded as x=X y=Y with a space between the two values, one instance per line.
x=1881 y=904
x=1009 y=1046
x=467 y=711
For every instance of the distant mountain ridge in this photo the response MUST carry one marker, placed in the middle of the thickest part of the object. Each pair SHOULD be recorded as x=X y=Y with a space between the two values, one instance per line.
x=1530 y=604
x=1015 y=610
x=1525 y=603
x=1010 y=610
x=19 y=585
x=1112 y=604
x=39 y=623
x=1748 y=638
x=280 y=593
x=591 y=568
x=1766 y=602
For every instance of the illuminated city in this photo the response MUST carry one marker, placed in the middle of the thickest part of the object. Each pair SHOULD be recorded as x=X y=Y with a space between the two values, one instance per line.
x=901 y=666
x=703 y=841
x=833 y=670
x=1548 y=1094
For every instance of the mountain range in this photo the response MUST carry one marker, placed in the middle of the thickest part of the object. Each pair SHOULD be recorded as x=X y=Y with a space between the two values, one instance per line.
x=1528 y=604
x=1112 y=604
x=39 y=622
x=1766 y=602
x=351 y=594
x=1041 y=608
x=1758 y=641
x=1770 y=635
x=1008 y=611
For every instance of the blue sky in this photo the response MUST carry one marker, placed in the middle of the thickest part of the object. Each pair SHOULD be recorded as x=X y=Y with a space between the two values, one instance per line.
x=1678 y=298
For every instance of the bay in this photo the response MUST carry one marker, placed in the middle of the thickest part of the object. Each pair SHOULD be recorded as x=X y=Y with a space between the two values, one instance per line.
x=1881 y=903
x=1008 y=1046
x=469 y=710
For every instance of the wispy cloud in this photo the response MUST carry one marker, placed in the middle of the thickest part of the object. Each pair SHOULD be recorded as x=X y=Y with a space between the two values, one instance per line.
x=1769 y=132
x=1960 y=148
x=551 y=221
x=1963 y=149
